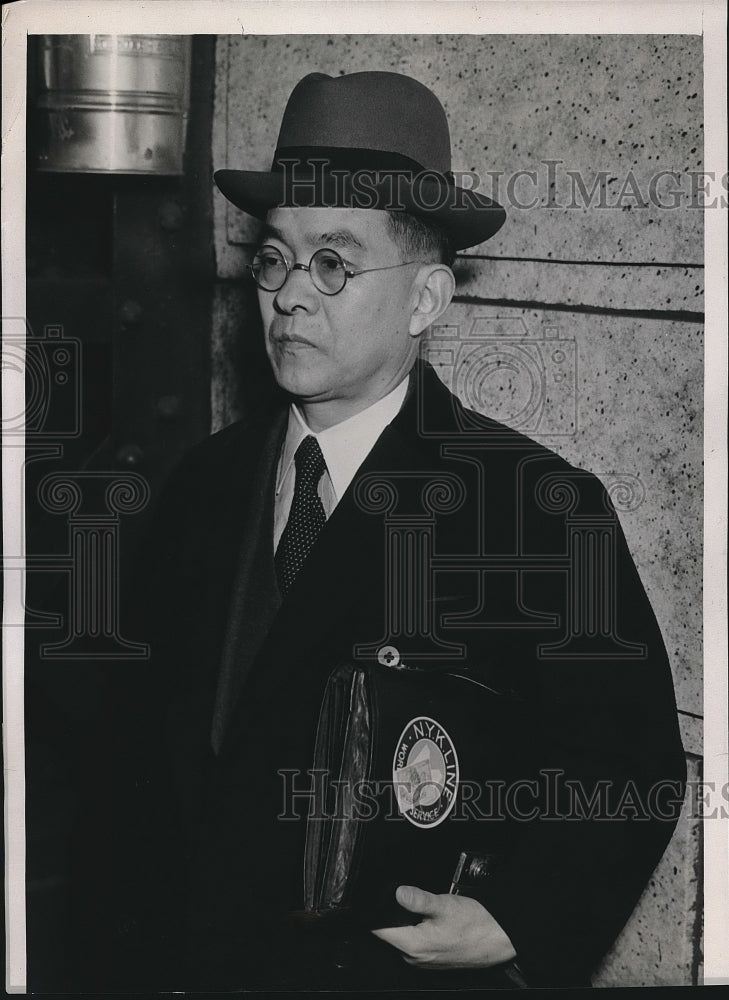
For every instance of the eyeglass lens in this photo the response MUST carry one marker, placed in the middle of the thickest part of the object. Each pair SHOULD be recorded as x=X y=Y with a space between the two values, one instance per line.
x=326 y=268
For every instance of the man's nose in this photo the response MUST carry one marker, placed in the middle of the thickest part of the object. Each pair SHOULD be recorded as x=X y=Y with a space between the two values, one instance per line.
x=297 y=292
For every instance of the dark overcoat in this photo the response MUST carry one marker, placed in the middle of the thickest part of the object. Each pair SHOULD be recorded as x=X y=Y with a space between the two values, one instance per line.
x=529 y=584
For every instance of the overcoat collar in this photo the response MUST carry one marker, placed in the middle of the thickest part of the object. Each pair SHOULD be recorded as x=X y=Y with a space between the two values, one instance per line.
x=413 y=445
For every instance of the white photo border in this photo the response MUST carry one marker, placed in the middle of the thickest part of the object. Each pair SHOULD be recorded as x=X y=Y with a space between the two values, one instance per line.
x=368 y=16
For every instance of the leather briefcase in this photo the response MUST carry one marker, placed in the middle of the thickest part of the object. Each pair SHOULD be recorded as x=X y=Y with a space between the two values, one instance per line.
x=410 y=767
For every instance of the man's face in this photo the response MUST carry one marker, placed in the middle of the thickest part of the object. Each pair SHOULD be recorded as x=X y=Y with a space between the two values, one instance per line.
x=342 y=351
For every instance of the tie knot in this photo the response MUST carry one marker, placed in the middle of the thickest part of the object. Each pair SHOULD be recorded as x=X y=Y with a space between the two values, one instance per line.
x=309 y=460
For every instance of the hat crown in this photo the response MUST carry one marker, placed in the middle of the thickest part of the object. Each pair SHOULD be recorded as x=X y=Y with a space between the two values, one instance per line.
x=386 y=112
x=371 y=140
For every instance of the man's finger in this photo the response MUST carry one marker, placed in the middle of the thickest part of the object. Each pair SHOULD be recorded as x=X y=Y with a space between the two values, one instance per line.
x=401 y=938
x=415 y=900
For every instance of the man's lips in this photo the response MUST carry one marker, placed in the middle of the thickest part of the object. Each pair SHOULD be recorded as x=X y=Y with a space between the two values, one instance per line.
x=284 y=339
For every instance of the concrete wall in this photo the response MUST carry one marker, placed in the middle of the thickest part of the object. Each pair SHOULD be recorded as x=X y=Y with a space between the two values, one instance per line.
x=615 y=274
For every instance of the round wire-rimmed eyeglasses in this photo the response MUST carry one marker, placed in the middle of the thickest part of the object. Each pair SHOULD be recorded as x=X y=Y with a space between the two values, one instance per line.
x=327 y=270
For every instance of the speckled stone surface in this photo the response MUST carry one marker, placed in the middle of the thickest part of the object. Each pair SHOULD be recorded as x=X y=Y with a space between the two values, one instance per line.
x=661 y=943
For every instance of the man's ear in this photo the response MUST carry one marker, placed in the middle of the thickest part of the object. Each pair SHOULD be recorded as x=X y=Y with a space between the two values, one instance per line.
x=433 y=290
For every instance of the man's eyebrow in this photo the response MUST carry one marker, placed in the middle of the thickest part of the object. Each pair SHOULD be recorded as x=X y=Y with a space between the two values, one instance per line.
x=343 y=238
x=269 y=232
x=339 y=238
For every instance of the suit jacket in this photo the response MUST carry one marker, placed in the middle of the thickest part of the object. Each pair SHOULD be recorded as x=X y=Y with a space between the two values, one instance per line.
x=512 y=538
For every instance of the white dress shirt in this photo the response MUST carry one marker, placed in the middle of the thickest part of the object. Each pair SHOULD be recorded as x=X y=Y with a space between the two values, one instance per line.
x=344 y=447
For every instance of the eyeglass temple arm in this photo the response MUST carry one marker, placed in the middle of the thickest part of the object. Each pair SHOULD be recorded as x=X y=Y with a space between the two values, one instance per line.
x=388 y=267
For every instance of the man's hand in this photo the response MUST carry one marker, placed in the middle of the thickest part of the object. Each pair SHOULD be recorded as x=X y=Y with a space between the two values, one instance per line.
x=455 y=932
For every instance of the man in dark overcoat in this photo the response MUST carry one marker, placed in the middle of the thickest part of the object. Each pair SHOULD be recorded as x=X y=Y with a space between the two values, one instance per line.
x=271 y=562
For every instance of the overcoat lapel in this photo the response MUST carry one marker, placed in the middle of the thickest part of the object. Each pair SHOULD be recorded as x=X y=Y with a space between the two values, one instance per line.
x=255 y=597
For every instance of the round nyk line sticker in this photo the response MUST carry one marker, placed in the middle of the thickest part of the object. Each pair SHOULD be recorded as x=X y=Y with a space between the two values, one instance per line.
x=425 y=772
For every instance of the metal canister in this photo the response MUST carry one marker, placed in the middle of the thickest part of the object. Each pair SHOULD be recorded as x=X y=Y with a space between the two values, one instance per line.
x=113 y=103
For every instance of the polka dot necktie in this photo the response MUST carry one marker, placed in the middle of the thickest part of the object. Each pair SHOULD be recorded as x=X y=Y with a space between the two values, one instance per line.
x=306 y=517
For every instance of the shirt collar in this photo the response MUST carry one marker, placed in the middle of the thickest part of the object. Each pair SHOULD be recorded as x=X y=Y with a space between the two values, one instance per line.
x=345 y=445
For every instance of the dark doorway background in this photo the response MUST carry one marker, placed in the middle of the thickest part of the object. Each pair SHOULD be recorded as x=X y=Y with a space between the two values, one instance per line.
x=121 y=267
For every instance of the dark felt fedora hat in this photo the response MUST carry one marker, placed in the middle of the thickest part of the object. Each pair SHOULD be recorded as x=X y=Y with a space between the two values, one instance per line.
x=366 y=140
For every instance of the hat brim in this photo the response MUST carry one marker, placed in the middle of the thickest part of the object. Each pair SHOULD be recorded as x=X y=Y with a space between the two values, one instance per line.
x=469 y=218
